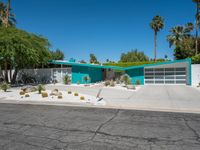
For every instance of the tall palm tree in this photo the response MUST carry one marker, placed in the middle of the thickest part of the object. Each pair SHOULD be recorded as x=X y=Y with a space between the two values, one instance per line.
x=156 y=24
x=7 y=13
x=179 y=33
x=197 y=16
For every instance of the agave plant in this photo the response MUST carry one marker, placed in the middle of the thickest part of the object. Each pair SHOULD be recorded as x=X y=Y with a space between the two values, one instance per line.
x=40 y=88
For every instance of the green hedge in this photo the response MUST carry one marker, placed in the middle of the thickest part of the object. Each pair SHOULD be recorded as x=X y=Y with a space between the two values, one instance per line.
x=128 y=64
x=196 y=59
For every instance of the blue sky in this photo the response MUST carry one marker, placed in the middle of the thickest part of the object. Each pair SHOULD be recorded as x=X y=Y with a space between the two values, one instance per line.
x=103 y=27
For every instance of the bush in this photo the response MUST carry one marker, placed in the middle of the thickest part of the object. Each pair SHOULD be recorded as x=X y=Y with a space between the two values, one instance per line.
x=27 y=95
x=125 y=79
x=4 y=86
x=21 y=93
x=78 y=82
x=66 y=79
x=60 y=97
x=196 y=59
x=82 y=98
x=117 y=81
x=75 y=94
x=69 y=92
x=138 y=82
x=128 y=64
x=40 y=88
x=107 y=83
x=44 y=94
x=112 y=83
x=86 y=79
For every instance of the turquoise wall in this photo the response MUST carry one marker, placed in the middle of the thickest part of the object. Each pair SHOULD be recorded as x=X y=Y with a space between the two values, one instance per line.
x=136 y=74
x=79 y=72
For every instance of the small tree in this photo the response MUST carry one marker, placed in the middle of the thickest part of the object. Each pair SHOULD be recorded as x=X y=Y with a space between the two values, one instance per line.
x=57 y=55
x=66 y=79
x=93 y=59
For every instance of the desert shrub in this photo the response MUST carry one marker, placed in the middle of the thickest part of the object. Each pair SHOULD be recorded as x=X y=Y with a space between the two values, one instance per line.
x=107 y=83
x=75 y=94
x=117 y=81
x=138 y=82
x=40 y=88
x=82 y=98
x=21 y=93
x=67 y=79
x=69 y=92
x=27 y=95
x=44 y=94
x=60 y=97
x=112 y=83
x=125 y=79
x=4 y=86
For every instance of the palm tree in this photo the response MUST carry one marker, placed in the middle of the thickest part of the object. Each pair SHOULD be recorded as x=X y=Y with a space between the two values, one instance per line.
x=197 y=16
x=157 y=24
x=179 y=33
x=6 y=18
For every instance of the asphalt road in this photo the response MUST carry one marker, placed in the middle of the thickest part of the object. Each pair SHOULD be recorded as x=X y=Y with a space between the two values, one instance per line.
x=29 y=127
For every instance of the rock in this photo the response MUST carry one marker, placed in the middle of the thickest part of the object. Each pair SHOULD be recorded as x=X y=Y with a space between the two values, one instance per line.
x=29 y=89
x=59 y=94
x=132 y=87
x=54 y=92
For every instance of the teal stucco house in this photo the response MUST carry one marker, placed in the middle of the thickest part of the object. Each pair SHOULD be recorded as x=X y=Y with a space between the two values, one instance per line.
x=171 y=72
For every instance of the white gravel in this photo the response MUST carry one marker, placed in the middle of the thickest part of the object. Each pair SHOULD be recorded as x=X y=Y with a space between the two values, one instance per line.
x=13 y=94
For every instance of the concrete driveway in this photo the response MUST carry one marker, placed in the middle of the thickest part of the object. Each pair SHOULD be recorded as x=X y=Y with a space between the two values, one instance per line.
x=168 y=97
x=177 y=98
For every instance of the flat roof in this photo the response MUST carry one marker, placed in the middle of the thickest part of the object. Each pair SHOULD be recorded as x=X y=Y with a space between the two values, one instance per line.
x=65 y=62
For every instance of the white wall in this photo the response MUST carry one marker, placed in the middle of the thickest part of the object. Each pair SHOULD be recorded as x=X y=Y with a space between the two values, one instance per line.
x=49 y=74
x=195 y=74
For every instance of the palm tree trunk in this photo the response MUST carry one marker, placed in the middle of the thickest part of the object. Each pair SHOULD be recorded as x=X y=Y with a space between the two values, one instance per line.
x=197 y=27
x=155 y=37
x=7 y=13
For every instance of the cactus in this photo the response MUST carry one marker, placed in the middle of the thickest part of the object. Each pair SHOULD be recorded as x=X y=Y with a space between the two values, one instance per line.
x=75 y=94
x=82 y=98
x=44 y=94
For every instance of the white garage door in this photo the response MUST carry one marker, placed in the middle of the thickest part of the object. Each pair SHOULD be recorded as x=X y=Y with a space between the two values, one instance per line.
x=165 y=75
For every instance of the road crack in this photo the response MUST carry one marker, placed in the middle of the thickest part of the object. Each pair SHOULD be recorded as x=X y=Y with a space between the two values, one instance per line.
x=197 y=136
x=104 y=123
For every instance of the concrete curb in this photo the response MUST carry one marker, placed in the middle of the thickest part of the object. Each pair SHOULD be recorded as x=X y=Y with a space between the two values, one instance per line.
x=3 y=101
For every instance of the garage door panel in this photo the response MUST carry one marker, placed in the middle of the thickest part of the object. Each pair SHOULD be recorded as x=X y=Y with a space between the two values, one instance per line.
x=165 y=75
